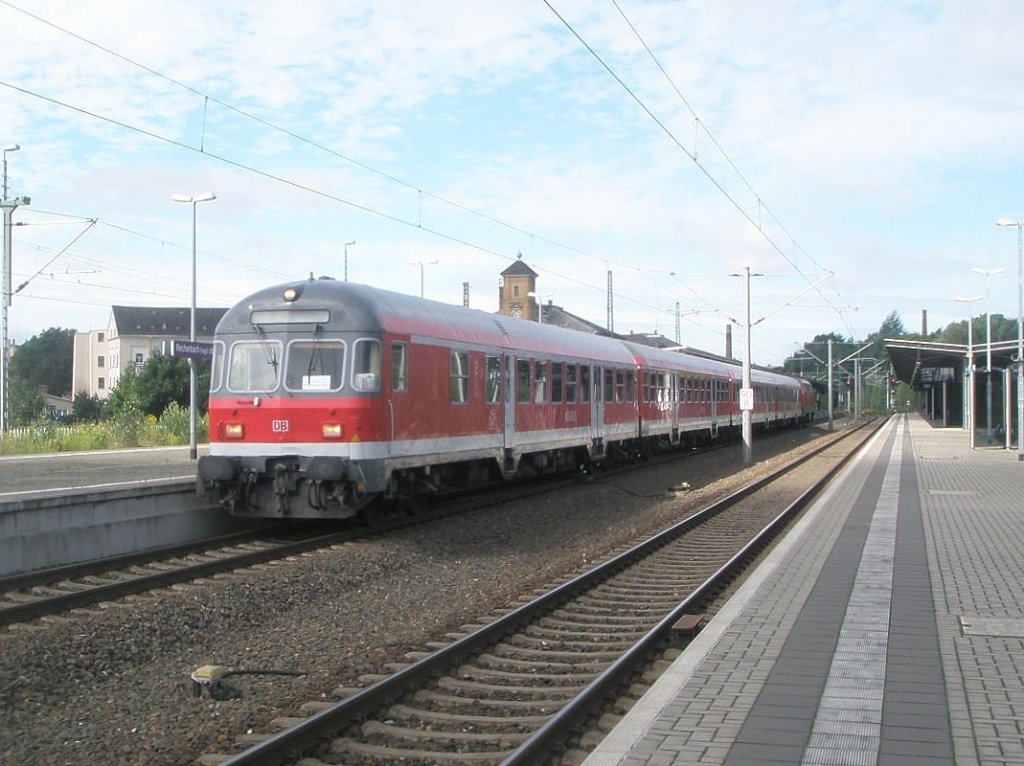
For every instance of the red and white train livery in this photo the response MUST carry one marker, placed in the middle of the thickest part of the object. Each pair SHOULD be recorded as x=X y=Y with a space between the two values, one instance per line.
x=326 y=396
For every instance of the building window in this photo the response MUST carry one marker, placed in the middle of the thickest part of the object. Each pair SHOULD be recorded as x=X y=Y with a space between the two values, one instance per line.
x=101 y=383
x=99 y=337
x=99 y=361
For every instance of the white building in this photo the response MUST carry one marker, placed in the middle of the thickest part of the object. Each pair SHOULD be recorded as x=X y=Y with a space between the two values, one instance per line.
x=133 y=335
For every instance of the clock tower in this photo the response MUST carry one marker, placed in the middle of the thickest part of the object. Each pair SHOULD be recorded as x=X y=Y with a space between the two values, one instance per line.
x=514 y=288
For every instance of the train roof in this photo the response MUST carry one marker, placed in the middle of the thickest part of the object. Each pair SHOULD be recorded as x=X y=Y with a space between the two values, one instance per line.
x=354 y=307
x=361 y=308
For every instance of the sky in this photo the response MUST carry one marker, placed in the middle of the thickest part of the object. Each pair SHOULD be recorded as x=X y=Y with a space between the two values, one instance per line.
x=854 y=156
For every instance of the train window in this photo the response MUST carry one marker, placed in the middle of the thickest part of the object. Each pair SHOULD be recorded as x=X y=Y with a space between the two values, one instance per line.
x=585 y=383
x=459 y=387
x=216 y=367
x=630 y=386
x=399 y=367
x=523 y=381
x=366 y=365
x=540 y=382
x=556 y=381
x=609 y=385
x=620 y=385
x=315 y=365
x=570 y=384
x=492 y=384
x=254 y=366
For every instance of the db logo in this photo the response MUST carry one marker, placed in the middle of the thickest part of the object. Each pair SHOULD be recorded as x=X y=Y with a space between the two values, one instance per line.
x=279 y=426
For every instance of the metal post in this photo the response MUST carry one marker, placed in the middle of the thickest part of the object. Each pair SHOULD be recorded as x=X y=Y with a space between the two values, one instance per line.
x=9 y=206
x=346 y=258
x=193 y=200
x=745 y=414
x=1020 y=332
x=192 y=448
x=830 y=423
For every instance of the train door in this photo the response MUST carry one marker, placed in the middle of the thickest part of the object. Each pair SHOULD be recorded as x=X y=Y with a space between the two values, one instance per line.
x=509 y=403
x=715 y=388
x=673 y=398
x=596 y=412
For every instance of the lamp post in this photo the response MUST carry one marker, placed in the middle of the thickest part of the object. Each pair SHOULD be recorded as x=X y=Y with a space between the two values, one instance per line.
x=346 y=257
x=1020 y=331
x=746 y=390
x=421 y=264
x=988 y=342
x=539 y=297
x=969 y=408
x=193 y=200
x=9 y=206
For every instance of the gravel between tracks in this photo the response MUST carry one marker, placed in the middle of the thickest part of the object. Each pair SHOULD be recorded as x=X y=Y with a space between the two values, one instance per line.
x=112 y=686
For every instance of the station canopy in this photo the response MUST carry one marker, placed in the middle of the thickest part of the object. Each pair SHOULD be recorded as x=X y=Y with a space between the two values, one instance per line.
x=921 y=363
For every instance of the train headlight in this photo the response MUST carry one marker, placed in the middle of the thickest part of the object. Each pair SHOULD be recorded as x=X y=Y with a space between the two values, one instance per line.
x=291 y=294
x=332 y=430
x=234 y=431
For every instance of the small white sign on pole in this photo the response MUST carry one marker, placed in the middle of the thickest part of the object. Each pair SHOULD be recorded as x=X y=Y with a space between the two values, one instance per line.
x=746 y=399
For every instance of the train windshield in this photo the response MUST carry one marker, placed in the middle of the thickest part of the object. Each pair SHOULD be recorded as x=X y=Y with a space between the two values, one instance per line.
x=254 y=366
x=315 y=365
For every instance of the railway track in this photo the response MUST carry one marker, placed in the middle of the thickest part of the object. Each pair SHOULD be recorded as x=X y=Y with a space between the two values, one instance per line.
x=36 y=595
x=520 y=688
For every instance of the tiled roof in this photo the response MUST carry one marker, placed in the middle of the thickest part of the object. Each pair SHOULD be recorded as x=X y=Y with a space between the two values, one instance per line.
x=149 y=320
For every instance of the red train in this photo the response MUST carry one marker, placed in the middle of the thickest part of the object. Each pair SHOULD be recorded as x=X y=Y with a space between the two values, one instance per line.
x=327 y=396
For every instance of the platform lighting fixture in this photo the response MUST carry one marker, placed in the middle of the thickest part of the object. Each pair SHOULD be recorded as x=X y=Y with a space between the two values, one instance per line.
x=1020 y=331
x=422 y=265
x=193 y=200
x=346 y=257
x=988 y=340
x=747 y=390
x=969 y=419
x=540 y=298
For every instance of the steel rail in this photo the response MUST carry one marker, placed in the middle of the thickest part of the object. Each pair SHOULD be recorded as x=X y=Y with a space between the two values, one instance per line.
x=278 y=748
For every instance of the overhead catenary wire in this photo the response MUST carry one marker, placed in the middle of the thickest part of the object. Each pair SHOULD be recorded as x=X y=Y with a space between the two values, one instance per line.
x=203 y=149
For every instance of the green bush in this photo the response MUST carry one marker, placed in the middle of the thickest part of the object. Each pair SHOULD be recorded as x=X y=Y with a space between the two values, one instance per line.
x=129 y=428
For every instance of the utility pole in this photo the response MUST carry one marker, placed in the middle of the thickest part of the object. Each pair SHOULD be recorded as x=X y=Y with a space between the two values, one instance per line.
x=9 y=206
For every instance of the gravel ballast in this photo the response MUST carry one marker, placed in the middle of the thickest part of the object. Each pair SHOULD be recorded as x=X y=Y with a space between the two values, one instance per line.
x=112 y=685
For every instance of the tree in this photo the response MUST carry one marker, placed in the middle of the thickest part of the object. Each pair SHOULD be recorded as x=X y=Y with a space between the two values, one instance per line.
x=86 y=409
x=27 y=403
x=162 y=380
x=45 y=360
x=892 y=326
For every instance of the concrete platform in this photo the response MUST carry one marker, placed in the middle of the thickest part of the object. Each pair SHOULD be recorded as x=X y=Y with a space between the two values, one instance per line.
x=886 y=628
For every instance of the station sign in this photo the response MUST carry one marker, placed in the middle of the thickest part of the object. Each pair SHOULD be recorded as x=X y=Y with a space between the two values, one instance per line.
x=192 y=349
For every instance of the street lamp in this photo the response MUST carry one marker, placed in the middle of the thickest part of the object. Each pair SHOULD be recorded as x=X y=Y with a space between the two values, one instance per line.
x=346 y=257
x=539 y=297
x=193 y=200
x=969 y=409
x=9 y=206
x=8 y=148
x=421 y=264
x=988 y=341
x=746 y=390
x=1020 y=331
